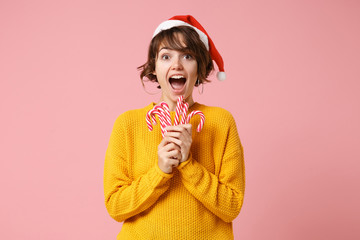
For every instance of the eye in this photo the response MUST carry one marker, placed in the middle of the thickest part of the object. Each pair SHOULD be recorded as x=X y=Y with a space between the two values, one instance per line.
x=165 y=57
x=188 y=56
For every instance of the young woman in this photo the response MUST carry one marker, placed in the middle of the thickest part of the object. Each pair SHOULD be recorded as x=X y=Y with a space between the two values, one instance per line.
x=187 y=184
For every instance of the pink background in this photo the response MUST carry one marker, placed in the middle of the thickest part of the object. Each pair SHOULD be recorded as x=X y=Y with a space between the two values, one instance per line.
x=68 y=69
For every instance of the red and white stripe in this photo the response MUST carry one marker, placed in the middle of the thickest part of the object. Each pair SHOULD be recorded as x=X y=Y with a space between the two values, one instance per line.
x=185 y=108
x=164 y=116
x=165 y=106
x=178 y=110
x=202 y=119
x=150 y=119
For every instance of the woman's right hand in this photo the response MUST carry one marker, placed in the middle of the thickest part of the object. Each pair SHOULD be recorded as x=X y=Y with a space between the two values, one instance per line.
x=169 y=155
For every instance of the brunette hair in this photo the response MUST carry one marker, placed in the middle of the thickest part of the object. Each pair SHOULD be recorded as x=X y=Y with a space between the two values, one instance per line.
x=193 y=46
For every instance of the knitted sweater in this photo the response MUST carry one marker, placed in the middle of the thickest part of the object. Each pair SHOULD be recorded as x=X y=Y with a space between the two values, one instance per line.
x=198 y=200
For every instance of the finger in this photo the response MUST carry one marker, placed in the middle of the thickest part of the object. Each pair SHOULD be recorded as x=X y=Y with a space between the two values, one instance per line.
x=178 y=128
x=171 y=146
x=174 y=154
x=184 y=136
x=165 y=141
x=173 y=134
x=179 y=157
x=173 y=162
x=176 y=164
x=188 y=128
x=178 y=142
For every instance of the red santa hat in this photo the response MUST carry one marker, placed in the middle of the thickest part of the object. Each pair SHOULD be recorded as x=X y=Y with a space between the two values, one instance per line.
x=188 y=20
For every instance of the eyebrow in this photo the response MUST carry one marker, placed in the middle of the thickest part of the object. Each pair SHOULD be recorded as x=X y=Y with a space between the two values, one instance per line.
x=166 y=48
x=185 y=49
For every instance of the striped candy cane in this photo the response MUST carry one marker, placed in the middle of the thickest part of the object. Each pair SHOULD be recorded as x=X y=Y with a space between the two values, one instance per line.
x=184 y=112
x=150 y=119
x=202 y=119
x=167 y=111
x=151 y=116
x=163 y=124
x=179 y=108
x=164 y=116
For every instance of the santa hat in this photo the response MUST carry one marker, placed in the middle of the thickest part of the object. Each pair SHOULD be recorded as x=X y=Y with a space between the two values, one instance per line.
x=190 y=21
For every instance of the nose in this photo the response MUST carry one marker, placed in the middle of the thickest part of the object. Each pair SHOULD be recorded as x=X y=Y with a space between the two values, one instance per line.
x=177 y=65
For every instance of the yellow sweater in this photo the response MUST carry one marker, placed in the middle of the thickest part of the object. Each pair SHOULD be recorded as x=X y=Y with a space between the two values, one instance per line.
x=199 y=200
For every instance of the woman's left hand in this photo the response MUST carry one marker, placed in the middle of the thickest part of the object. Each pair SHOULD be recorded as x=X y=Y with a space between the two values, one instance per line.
x=181 y=136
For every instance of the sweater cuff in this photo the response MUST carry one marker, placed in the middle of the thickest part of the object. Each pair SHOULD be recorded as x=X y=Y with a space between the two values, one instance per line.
x=157 y=178
x=162 y=174
x=183 y=164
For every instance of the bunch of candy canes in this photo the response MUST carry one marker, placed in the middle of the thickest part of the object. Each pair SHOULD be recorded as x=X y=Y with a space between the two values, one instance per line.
x=163 y=112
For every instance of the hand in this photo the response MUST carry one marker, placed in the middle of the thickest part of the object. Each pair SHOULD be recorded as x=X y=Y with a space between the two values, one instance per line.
x=169 y=155
x=181 y=136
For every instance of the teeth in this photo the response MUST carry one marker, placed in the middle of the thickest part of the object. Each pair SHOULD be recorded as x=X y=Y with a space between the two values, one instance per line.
x=178 y=76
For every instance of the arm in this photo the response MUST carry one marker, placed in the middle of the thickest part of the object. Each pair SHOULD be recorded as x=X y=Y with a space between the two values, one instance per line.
x=223 y=193
x=126 y=197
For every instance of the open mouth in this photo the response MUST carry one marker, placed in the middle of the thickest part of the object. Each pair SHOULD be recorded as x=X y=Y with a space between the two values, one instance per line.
x=177 y=82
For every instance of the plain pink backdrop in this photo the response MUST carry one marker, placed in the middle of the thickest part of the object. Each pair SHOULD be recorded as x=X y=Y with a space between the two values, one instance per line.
x=68 y=69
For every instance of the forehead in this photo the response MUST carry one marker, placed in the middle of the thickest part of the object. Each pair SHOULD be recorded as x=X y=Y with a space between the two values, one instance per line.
x=175 y=42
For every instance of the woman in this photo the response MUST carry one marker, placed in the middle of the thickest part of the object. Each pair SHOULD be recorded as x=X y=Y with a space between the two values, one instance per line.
x=185 y=185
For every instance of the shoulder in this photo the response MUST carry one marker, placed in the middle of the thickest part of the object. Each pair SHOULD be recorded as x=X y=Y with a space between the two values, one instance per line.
x=132 y=116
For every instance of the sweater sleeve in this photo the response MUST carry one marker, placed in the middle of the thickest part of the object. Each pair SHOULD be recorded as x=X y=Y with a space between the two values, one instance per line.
x=222 y=194
x=126 y=197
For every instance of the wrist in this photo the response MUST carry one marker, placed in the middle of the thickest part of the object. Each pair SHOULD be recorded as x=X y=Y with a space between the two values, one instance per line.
x=182 y=164
x=184 y=159
x=163 y=172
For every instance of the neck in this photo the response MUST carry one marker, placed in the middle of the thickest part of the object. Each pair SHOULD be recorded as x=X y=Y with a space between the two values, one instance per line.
x=172 y=104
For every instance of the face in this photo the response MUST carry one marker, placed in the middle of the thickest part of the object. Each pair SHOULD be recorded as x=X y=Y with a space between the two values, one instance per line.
x=176 y=73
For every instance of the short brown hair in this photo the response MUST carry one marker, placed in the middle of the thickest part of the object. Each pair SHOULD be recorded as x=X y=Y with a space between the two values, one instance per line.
x=193 y=45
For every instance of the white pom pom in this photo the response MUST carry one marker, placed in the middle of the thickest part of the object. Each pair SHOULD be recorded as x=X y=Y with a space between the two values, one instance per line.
x=221 y=76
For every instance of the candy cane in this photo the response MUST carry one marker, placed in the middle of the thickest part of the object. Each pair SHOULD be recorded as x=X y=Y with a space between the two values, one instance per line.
x=150 y=119
x=163 y=122
x=164 y=116
x=178 y=110
x=184 y=112
x=202 y=119
x=166 y=111
x=151 y=115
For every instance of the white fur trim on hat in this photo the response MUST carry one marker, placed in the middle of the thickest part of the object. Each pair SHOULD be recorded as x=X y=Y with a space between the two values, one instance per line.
x=174 y=23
